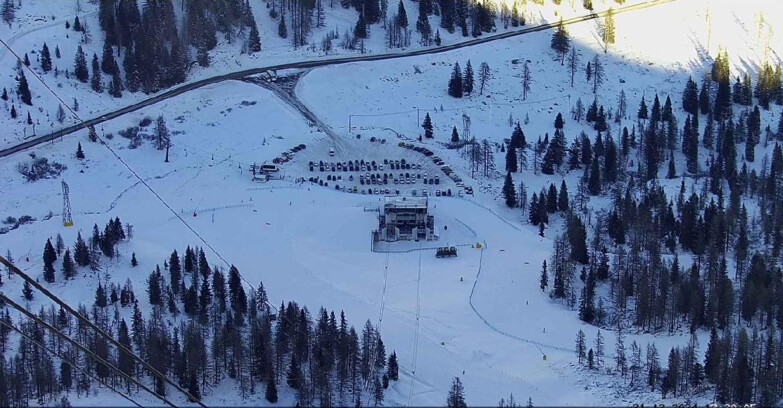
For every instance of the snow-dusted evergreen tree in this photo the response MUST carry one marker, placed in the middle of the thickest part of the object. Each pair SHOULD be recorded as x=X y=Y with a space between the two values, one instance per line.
x=484 y=74
x=456 y=82
x=561 y=42
x=23 y=90
x=9 y=12
x=427 y=125
x=467 y=79
x=46 y=58
x=527 y=79
x=80 y=69
x=96 y=82
x=456 y=396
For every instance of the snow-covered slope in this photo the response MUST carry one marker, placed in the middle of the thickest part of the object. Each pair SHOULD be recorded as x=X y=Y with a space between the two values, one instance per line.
x=482 y=315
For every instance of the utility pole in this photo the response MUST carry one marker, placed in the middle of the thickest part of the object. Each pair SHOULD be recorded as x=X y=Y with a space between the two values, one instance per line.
x=168 y=144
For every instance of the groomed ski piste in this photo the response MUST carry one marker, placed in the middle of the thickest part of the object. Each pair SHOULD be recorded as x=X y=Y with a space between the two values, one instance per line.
x=480 y=316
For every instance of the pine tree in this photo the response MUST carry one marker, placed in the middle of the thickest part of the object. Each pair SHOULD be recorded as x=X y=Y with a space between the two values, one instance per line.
x=23 y=89
x=80 y=66
x=509 y=193
x=193 y=388
x=454 y=135
x=527 y=80
x=282 y=31
x=586 y=300
x=9 y=12
x=13 y=112
x=666 y=114
x=723 y=108
x=642 y=114
x=559 y=121
x=49 y=256
x=467 y=79
x=484 y=74
x=254 y=41
x=100 y=296
x=69 y=269
x=29 y=118
x=672 y=172
x=704 y=99
x=134 y=262
x=543 y=281
x=780 y=126
x=427 y=125
x=511 y=159
x=562 y=200
x=46 y=58
x=609 y=28
x=271 y=390
x=423 y=24
x=154 y=289
x=108 y=63
x=27 y=291
x=561 y=42
x=202 y=55
x=580 y=346
x=60 y=114
x=294 y=375
x=599 y=349
x=588 y=4
x=162 y=134
x=81 y=252
x=116 y=87
x=360 y=30
x=393 y=367
x=594 y=182
x=79 y=151
x=132 y=74
x=456 y=82
x=456 y=396
x=402 y=16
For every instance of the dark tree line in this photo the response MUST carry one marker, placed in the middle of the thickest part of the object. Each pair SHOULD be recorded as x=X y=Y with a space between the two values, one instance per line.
x=157 y=52
x=705 y=256
x=219 y=331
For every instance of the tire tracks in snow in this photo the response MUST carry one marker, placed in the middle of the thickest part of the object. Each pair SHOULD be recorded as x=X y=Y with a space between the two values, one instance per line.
x=478 y=314
x=416 y=331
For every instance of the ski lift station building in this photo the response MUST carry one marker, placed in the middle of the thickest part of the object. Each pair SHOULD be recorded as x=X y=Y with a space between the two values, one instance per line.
x=405 y=219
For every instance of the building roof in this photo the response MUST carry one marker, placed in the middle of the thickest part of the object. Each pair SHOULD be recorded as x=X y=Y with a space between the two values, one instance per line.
x=405 y=202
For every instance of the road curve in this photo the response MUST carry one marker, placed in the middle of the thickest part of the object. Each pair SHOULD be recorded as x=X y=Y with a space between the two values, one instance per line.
x=310 y=64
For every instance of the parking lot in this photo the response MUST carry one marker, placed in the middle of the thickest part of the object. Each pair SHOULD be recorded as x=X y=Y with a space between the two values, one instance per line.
x=374 y=167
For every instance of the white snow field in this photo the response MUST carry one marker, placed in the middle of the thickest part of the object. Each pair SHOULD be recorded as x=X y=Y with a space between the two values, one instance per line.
x=480 y=316
x=311 y=244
